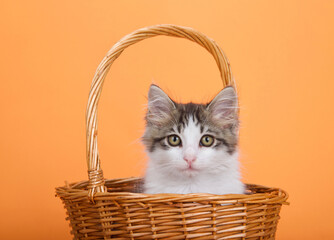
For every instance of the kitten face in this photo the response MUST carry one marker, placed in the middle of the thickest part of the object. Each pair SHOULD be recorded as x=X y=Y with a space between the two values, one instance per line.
x=187 y=140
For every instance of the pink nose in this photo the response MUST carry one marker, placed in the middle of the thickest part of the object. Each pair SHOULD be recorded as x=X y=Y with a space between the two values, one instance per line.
x=189 y=159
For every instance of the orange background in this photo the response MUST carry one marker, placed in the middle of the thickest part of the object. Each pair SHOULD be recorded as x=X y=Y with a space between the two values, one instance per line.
x=281 y=53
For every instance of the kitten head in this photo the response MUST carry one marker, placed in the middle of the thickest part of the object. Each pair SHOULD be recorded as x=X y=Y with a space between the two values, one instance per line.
x=185 y=140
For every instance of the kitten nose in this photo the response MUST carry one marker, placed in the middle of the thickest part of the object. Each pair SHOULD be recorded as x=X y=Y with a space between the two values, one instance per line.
x=189 y=155
x=189 y=159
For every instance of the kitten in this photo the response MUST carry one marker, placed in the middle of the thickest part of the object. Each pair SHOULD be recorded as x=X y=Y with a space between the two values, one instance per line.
x=192 y=148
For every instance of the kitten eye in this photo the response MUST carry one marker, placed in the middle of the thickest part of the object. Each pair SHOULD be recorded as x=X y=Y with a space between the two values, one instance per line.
x=174 y=140
x=207 y=141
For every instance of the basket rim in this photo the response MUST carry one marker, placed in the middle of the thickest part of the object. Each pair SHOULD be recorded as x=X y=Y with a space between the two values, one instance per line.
x=78 y=191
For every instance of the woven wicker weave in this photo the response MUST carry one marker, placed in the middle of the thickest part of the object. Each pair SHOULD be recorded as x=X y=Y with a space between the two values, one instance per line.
x=104 y=209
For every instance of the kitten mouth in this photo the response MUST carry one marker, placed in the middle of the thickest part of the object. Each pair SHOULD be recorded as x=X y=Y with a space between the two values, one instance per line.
x=190 y=169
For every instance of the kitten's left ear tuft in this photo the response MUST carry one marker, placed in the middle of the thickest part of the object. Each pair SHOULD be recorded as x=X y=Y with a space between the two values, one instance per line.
x=224 y=107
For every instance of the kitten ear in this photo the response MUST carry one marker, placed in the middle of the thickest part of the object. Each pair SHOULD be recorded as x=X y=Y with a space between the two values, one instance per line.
x=160 y=106
x=223 y=108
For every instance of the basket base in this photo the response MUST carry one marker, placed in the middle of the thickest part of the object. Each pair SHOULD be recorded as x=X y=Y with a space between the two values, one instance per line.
x=121 y=213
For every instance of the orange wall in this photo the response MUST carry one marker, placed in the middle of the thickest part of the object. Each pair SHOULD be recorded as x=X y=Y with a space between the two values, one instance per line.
x=281 y=53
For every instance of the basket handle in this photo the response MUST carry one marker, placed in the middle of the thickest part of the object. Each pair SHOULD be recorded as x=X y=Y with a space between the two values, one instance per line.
x=96 y=180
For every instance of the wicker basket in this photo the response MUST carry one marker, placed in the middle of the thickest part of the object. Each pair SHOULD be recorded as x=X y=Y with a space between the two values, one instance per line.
x=104 y=209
